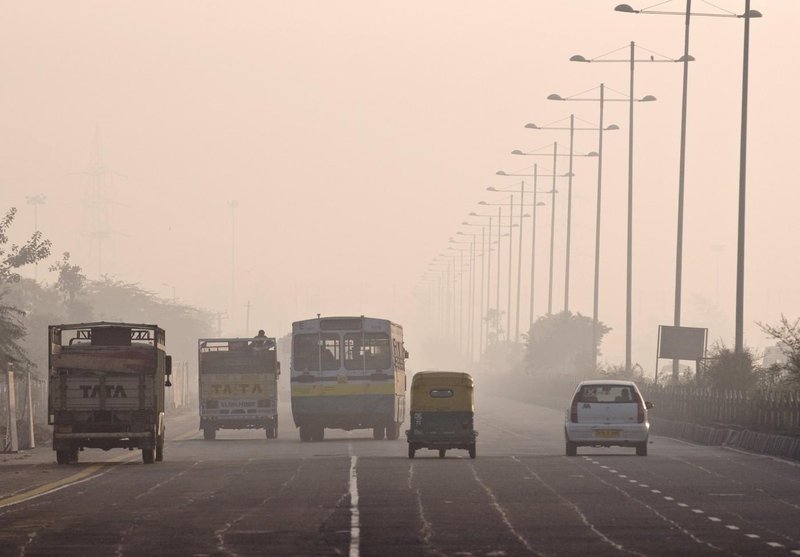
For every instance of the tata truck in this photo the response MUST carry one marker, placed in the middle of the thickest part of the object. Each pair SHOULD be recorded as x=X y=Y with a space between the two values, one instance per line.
x=107 y=388
x=238 y=385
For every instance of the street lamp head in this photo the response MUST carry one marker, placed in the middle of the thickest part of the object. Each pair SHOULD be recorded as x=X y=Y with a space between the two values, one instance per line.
x=482 y=203
x=492 y=188
x=625 y=8
x=593 y=154
x=465 y=223
x=555 y=97
x=474 y=214
x=751 y=14
x=647 y=99
x=517 y=152
x=611 y=127
x=540 y=203
x=501 y=173
x=577 y=58
x=531 y=126
x=685 y=58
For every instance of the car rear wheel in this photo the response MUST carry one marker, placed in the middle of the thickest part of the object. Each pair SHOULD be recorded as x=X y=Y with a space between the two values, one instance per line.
x=572 y=449
x=441 y=453
x=472 y=451
x=411 y=450
x=641 y=449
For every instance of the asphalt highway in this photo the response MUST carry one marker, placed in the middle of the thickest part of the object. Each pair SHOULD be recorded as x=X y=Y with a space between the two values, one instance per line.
x=244 y=495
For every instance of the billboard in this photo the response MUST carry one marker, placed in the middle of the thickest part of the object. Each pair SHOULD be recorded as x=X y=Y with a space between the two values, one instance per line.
x=681 y=343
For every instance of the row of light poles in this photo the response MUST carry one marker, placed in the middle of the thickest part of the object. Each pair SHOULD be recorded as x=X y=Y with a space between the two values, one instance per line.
x=631 y=99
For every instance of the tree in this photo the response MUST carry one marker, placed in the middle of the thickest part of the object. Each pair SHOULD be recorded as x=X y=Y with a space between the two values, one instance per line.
x=728 y=370
x=71 y=282
x=787 y=333
x=562 y=343
x=35 y=249
x=12 y=329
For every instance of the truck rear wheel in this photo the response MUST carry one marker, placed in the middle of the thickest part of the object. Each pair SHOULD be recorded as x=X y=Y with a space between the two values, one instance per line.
x=272 y=431
x=305 y=433
x=318 y=433
x=209 y=433
x=65 y=456
x=393 y=431
x=148 y=456
x=160 y=450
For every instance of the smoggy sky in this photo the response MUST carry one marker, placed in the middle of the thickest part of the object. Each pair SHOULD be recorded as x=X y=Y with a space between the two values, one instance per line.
x=356 y=136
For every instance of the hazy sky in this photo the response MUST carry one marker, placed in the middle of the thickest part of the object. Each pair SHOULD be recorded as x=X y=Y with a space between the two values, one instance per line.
x=357 y=135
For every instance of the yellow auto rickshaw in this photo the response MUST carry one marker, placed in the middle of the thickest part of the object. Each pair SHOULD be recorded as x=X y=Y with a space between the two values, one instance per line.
x=442 y=410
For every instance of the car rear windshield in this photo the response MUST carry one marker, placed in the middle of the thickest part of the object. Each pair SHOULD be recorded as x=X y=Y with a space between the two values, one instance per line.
x=607 y=393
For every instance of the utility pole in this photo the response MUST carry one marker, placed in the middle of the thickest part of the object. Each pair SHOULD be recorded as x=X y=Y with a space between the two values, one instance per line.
x=36 y=200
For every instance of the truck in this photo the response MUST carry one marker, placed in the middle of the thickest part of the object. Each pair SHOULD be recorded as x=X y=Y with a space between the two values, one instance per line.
x=107 y=388
x=238 y=384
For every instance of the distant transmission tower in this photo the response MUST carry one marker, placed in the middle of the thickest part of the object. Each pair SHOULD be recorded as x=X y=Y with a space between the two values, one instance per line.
x=98 y=183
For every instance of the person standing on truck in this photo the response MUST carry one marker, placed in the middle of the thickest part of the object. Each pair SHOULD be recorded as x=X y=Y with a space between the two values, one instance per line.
x=259 y=341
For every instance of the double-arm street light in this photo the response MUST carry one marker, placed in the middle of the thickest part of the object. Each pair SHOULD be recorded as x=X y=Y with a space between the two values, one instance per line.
x=631 y=101
x=572 y=129
x=519 y=255
x=536 y=204
x=601 y=100
x=687 y=14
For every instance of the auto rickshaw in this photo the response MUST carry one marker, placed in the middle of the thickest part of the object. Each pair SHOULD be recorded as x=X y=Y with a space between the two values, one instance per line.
x=442 y=409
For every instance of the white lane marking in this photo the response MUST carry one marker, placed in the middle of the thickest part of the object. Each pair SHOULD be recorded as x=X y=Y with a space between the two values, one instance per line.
x=577 y=510
x=604 y=466
x=643 y=485
x=668 y=498
x=753 y=536
x=714 y=519
x=775 y=544
x=612 y=470
x=633 y=481
x=698 y=511
x=731 y=527
x=502 y=512
x=427 y=528
x=655 y=491
x=796 y=552
x=683 y=505
x=158 y=485
x=623 y=476
x=355 y=528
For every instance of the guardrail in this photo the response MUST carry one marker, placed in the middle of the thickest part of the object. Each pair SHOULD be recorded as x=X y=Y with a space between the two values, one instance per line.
x=768 y=411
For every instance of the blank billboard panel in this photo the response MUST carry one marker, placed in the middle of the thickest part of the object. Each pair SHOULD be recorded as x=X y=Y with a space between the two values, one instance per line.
x=681 y=343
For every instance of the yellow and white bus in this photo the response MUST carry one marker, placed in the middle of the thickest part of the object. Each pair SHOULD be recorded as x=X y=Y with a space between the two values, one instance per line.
x=348 y=373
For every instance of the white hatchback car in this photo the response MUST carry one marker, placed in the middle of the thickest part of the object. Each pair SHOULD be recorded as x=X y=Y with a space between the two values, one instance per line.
x=605 y=413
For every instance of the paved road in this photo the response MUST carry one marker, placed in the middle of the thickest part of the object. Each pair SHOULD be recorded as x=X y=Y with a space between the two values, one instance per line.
x=243 y=495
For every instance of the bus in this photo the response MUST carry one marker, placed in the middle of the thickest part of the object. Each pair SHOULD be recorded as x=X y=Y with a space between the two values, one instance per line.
x=348 y=373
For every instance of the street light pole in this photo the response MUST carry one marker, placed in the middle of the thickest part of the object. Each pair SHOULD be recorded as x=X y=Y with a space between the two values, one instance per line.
x=739 y=337
x=519 y=256
x=552 y=232
x=595 y=305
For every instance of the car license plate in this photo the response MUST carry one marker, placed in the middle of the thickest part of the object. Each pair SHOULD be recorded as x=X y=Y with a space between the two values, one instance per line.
x=606 y=433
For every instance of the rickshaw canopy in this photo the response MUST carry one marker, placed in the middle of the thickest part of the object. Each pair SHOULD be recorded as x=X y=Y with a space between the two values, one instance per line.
x=442 y=391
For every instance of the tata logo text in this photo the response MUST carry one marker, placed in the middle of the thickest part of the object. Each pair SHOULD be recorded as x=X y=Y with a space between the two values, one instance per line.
x=241 y=389
x=111 y=391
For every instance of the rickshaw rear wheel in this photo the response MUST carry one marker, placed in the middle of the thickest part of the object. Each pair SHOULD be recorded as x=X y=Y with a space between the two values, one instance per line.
x=411 y=450
x=472 y=451
x=441 y=452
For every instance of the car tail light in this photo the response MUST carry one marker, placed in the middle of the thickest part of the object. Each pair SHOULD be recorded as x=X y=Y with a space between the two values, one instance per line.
x=640 y=412
x=573 y=411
